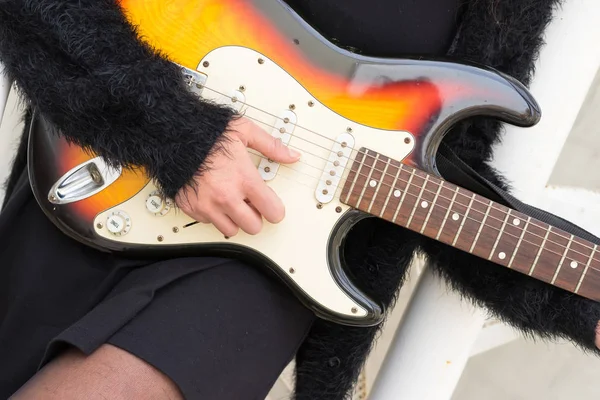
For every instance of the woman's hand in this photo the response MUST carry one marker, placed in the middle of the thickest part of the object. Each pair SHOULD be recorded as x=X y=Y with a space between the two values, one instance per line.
x=231 y=194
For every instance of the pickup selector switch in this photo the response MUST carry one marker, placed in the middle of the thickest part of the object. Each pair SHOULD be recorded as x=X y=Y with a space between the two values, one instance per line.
x=157 y=205
x=118 y=223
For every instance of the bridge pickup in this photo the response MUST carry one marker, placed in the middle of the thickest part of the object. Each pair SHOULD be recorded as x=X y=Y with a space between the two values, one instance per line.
x=283 y=129
x=334 y=169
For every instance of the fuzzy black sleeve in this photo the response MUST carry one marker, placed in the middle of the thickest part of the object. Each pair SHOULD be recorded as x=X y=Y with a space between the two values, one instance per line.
x=83 y=67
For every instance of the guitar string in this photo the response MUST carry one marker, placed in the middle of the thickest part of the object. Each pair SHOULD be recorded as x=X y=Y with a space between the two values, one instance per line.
x=388 y=197
x=382 y=183
x=375 y=169
x=559 y=234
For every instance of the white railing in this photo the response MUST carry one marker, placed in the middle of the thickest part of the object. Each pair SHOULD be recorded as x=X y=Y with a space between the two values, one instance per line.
x=439 y=331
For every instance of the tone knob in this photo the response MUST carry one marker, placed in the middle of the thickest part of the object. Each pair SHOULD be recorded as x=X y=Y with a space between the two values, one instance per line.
x=118 y=223
x=157 y=205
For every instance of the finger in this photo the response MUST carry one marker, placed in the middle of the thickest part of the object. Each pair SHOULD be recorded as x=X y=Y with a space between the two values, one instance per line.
x=202 y=219
x=266 y=201
x=224 y=224
x=598 y=335
x=273 y=148
x=246 y=218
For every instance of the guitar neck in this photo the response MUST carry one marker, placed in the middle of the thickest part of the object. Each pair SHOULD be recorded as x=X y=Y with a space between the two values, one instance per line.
x=462 y=219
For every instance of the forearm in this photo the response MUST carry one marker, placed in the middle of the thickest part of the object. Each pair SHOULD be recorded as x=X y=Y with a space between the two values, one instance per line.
x=81 y=64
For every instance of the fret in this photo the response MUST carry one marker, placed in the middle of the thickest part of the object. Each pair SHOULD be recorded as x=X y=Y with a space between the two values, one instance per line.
x=591 y=283
x=537 y=257
x=489 y=233
x=356 y=175
x=414 y=191
x=369 y=201
x=573 y=265
x=519 y=242
x=443 y=235
x=462 y=224
x=528 y=242
x=499 y=235
x=392 y=189
x=381 y=179
x=587 y=265
x=417 y=201
x=362 y=193
x=562 y=260
x=485 y=217
x=552 y=256
x=433 y=203
x=412 y=175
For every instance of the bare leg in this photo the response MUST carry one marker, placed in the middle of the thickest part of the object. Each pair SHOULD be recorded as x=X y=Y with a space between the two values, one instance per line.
x=108 y=373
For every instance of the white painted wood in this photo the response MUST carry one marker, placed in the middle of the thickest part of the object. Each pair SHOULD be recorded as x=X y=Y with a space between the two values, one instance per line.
x=431 y=346
x=565 y=71
x=5 y=85
x=437 y=324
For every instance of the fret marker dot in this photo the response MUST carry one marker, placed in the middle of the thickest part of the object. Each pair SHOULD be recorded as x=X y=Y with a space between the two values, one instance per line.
x=424 y=204
x=455 y=216
x=502 y=255
x=517 y=221
x=397 y=193
x=574 y=264
x=373 y=183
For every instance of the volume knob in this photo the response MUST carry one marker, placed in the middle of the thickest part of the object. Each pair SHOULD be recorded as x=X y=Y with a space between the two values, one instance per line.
x=118 y=223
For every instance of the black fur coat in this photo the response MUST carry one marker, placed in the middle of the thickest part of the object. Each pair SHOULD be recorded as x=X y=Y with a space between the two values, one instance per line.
x=109 y=102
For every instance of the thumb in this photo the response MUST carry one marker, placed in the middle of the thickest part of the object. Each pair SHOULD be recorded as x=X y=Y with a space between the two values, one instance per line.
x=273 y=148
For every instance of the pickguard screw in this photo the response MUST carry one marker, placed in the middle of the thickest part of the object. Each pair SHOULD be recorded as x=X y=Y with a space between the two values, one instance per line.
x=292 y=106
x=311 y=103
x=242 y=88
x=286 y=120
x=205 y=64
x=354 y=310
x=261 y=61
x=175 y=229
x=319 y=205
x=349 y=130
x=160 y=238
x=338 y=209
x=407 y=140
x=52 y=197
x=292 y=271
x=296 y=41
x=226 y=237
x=99 y=225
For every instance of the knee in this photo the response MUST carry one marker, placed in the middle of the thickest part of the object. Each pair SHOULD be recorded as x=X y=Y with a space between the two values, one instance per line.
x=109 y=372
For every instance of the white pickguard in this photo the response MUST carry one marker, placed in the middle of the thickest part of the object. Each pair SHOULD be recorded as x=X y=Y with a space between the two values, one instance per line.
x=298 y=245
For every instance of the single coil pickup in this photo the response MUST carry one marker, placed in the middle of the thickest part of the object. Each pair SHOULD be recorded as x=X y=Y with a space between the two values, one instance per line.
x=283 y=129
x=334 y=169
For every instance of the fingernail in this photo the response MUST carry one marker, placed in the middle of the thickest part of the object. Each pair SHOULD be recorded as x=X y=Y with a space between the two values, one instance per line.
x=294 y=153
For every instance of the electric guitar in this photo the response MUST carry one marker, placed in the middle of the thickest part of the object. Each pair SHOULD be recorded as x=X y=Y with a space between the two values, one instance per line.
x=368 y=130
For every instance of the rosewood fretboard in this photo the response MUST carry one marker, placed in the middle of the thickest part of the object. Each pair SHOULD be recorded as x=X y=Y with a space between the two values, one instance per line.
x=440 y=210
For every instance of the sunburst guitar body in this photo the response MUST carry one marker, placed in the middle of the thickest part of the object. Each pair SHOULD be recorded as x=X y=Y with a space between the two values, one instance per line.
x=342 y=111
